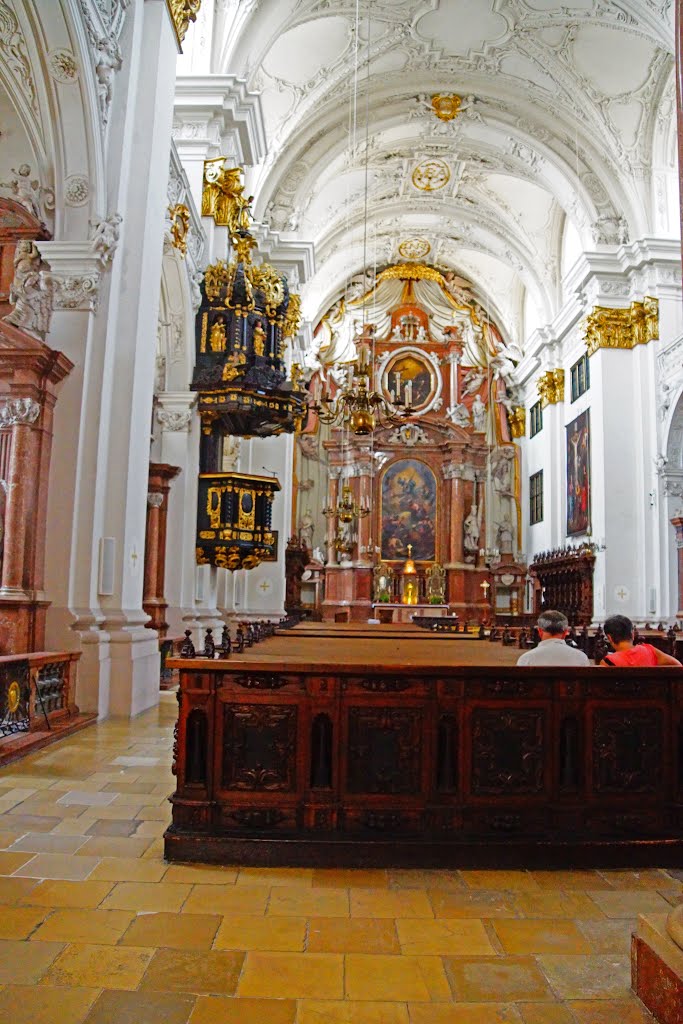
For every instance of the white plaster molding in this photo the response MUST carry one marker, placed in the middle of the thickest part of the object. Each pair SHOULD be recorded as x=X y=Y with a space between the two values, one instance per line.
x=289 y=256
x=18 y=410
x=175 y=410
x=179 y=191
x=15 y=55
x=227 y=98
x=75 y=274
x=103 y=22
x=105 y=237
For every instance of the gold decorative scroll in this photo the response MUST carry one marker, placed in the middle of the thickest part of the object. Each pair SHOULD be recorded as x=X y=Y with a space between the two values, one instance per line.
x=408 y=272
x=182 y=13
x=622 y=328
x=180 y=225
x=223 y=196
x=293 y=317
x=551 y=387
x=517 y=418
x=446 y=106
x=414 y=248
x=215 y=278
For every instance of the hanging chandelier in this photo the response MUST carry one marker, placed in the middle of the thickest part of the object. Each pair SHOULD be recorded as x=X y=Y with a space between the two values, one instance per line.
x=357 y=406
x=346 y=510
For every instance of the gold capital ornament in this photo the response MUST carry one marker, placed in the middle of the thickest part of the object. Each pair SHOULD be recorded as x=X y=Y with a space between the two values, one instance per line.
x=622 y=328
x=551 y=387
x=182 y=13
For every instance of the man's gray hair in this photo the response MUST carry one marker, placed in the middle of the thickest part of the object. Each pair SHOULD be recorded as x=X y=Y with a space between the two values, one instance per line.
x=553 y=622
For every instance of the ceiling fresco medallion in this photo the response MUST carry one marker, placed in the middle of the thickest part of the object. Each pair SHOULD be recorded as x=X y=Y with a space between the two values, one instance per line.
x=446 y=106
x=414 y=248
x=431 y=175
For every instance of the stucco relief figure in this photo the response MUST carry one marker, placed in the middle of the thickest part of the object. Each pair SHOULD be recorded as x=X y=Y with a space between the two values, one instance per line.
x=459 y=414
x=502 y=472
x=471 y=529
x=29 y=292
x=479 y=414
x=458 y=288
x=26 y=190
x=109 y=60
x=306 y=529
x=472 y=381
x=505 y=535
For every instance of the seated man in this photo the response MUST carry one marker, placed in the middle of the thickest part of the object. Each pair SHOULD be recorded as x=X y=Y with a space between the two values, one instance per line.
x=552 y=650
x=619 y=631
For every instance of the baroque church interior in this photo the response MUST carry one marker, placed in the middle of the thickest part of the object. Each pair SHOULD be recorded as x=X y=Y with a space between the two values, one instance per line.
x=339 y=339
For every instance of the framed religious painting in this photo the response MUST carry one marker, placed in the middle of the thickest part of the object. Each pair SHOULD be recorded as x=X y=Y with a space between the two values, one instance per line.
x=408 y=511
x=578 y=475
x=412 y=376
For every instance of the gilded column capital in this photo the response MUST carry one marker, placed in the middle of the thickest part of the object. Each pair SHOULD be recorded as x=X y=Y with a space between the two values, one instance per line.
x=182 y=12
x=517 y=418
x=622 y=328
x=551 y=387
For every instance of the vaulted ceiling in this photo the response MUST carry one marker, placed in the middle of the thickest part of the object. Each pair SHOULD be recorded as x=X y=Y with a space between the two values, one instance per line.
x=564 y=141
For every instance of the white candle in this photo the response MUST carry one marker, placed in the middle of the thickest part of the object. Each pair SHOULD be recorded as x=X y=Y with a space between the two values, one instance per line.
x=397 y=378
x=409 y=392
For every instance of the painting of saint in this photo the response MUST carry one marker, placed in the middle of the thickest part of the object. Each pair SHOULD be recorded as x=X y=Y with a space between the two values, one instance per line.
x=409 y=511
x=410 y=369
x=578 y=475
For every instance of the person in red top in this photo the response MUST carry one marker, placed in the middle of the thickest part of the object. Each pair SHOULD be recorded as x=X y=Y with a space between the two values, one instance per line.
x=619 y=631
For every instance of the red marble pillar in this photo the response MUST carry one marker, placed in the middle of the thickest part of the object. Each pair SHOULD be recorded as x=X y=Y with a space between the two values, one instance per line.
x=153 y=600
x=457 y=518
x=677 y=523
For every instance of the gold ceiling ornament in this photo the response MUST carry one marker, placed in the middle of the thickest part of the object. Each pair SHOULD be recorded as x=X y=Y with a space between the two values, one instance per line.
x=517 y=418
x=223 y=196
x=410 y=272
x=182 y=13
x=414 y=248
x=446 y=105
x=431 y=175
x=180 y=225
x=622 y=328
x=551 y=387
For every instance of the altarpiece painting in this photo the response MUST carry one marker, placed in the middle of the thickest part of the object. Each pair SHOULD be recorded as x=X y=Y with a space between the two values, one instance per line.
x=578 y=475
x=409 y=511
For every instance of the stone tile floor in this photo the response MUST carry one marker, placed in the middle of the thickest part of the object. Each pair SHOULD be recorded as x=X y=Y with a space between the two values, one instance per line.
x=95 y=927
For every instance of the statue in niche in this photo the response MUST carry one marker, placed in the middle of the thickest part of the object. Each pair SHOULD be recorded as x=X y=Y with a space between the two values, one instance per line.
x=397 y=333
x=505 y=535
x=502 y=472
x=318 y=555
x=479 y=414
x=421 y=335
x=217 y=336
x=259 y=339
x=306 y=529
x=471 y=528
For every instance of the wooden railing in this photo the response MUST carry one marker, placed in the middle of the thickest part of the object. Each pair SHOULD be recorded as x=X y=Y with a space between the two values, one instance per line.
x=37 y=691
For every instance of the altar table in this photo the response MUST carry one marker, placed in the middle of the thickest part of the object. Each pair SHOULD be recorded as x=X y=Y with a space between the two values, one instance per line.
x=406 y=612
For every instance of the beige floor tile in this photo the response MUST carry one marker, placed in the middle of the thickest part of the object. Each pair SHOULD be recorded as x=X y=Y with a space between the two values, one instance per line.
x=652 y=878
x=152 y=813
x=30 y=822
x=390 y=903
x=424 y=879
x=350 y=878
x=97 y=966
x=177 y=931
x=42 y=1005
x=472 y=904
x=56 y=893
x=513 y=881
x=434 y=974
x=98 y=926
x=141 y=1008
x=200 y=874
x=607 y=1011
x=58 y=865
x=20 y=922
x=609 y=936
x=12 y=890
x=472 y=1013
x=546 y=1013
x=497 y=979
x=418 y=936
x=155 y=851
x=24 y=963
x=71 y=827
x=292 y=976
x=149 y=829
x=199 y=971
x=556 y=904
x=630 y=904
x=150 y=897
x=11 y=862
x=277 y=934
x=212 y=899
x=293 y=877
x=588 y=977
x=48 y=842
x=7 y=837
x=129 y=869
x=313 y=1011
x=303 y=901
x=114 y=846
x=570 y=880
x=352 y=935
x=219 y=1010
x=546 y=936
x=377 y=977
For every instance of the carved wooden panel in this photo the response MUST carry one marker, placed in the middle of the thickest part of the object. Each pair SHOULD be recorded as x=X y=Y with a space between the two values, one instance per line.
x=384 y=750
x=507 y=751
x=259 y=747
x=627 y=750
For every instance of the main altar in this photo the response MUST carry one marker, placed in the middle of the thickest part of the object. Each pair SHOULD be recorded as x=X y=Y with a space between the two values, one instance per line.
x=440 y=486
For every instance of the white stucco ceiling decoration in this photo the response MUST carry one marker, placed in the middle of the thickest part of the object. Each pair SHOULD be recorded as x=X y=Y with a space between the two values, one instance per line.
x=566 y=123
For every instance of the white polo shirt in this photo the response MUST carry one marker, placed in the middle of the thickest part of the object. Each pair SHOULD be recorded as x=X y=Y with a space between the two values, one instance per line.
x=553 y=652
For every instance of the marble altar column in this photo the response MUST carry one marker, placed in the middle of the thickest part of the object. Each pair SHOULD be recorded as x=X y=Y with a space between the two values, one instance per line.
x=153 y=599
